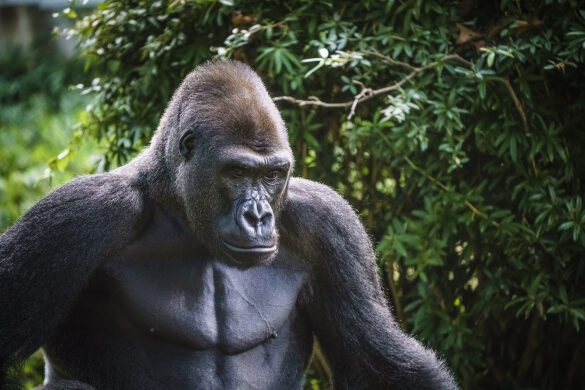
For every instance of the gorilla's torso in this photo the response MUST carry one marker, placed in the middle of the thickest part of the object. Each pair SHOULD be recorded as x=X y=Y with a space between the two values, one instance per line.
x=178 y=318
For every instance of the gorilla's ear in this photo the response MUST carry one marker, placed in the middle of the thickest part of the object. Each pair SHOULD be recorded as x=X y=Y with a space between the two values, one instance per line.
x=187 y=143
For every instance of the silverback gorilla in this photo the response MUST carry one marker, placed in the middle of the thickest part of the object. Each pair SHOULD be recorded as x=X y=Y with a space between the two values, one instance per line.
x=202 y=264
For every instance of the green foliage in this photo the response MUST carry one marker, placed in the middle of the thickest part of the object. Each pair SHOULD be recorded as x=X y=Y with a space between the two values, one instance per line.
x=467 y=173
x=37 y=115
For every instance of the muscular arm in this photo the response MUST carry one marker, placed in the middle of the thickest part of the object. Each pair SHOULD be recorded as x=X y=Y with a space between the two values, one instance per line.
x=363 y=344
x=48 y=256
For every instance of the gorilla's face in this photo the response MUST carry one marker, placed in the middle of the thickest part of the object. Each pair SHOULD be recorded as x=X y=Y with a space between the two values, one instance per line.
x=235 y=198
x=252 y=187
x=235 y=164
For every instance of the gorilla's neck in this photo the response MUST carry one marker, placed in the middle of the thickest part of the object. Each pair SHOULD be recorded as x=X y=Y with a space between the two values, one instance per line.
x=150 y=168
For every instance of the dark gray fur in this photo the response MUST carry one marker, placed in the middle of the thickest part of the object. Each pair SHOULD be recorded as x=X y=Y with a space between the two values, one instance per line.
x=90 y=271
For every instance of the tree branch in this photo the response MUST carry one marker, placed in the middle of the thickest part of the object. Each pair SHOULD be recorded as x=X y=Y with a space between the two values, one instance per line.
x=368 y=93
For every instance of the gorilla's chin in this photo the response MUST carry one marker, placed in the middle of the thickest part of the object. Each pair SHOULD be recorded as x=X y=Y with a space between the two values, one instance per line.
x=245 y=257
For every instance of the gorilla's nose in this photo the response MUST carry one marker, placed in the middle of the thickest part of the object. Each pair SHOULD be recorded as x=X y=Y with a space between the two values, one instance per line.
x=256 y=218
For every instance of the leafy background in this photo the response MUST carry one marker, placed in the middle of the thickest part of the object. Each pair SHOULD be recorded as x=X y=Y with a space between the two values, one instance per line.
x=467 y=172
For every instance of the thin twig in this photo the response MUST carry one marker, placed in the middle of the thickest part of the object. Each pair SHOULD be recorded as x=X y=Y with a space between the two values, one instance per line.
x=517 y=102
x=311 y=102
x=520 y=109
x=322 y=362
x=444 y=187
x=394 y=291
x=363 y=93
x=470 y=205
x=390 y=60
x=410 y=67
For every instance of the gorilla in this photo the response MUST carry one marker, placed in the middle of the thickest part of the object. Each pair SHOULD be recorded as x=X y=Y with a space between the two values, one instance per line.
x=202 y=264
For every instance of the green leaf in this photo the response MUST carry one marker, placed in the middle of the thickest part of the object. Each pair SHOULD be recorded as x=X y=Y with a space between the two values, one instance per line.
x=490 y=59
x=513 y=154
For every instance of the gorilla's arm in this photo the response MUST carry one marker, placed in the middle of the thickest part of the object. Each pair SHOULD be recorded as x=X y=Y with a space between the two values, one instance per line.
x=47 y=257
x=363 y=344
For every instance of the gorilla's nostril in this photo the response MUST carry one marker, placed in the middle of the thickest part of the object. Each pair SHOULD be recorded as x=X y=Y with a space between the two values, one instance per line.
x=252 y=218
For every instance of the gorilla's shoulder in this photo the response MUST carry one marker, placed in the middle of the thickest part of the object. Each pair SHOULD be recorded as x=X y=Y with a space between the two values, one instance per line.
x=98 y=200
x=313 y=194
x=319 y=224
x=316 y=206
x=105 y=190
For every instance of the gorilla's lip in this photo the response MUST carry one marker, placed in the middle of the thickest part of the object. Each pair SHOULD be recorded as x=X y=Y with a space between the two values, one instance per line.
x=250 y=249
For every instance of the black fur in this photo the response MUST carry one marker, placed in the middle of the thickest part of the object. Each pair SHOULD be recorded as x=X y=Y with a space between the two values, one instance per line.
x=129 y=279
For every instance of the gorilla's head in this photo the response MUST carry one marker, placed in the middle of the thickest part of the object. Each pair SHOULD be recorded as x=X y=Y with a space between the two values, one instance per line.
x=227 y=152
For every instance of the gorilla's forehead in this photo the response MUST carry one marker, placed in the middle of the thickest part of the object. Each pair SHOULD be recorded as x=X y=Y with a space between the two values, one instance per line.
x=251 y=158
x=239 y=109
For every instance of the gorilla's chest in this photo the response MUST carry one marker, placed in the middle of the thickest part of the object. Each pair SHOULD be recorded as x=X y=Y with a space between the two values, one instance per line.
x=202 y=303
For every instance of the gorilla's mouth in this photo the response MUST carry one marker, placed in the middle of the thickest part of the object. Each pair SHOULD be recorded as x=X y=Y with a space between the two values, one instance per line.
x=247 y=256
x=259 y=249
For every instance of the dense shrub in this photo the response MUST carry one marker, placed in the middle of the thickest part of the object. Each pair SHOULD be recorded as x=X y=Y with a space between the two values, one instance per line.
x=467 y=170
x=38 y=110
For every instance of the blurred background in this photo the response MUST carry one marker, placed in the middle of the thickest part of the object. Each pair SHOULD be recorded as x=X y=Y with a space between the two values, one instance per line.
x=464 y=160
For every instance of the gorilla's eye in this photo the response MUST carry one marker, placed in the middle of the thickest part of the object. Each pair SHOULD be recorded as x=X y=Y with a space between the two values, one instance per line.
x=274 y=174
x=238 y=172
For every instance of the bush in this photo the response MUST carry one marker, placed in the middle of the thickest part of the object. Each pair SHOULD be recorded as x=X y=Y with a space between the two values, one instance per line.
x=462 y=151
x=38 y=111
